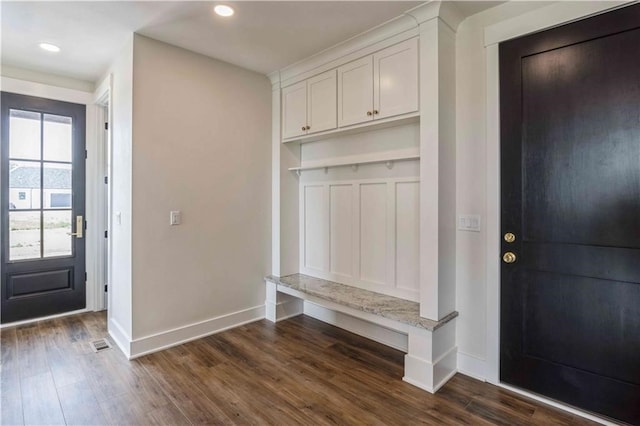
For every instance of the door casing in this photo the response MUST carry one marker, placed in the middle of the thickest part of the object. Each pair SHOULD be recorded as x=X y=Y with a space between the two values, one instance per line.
x=94 y=103
x=538 y=20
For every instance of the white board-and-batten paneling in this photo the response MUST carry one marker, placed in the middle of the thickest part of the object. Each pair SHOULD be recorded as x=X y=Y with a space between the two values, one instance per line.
x=362 y=233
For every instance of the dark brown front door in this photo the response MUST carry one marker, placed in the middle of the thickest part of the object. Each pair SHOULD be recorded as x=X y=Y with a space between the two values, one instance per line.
x=43 y=203
x=570 y=147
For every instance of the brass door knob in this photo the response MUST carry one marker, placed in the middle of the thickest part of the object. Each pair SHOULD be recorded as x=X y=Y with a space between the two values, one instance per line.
x=308 y=127
x=509 y=237
x=304 y=127
x=375 y=111
x=369 y=113
x=509 y=257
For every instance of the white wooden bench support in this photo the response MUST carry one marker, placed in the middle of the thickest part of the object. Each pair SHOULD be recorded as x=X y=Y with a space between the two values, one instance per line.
x=280 y=306
x=431 y=352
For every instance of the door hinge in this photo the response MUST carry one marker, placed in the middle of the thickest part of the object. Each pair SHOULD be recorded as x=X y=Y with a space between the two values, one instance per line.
x=105 y=288
x=106 y=234
x=106 y=126
x=106 y=180
x=86 y=154
x=85 y=225
x=85 y=277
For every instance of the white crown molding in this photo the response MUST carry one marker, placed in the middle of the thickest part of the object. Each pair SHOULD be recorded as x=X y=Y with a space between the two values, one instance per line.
x=391 y=32
x=447 y=11
x=350 y=46
x=30 y=88
x=547 y=17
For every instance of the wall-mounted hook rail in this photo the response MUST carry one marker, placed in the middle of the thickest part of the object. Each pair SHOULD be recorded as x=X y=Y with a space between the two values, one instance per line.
x=353 y=163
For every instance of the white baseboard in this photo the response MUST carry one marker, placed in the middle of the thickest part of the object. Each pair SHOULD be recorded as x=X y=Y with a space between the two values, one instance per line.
x=120 y=337
x=472 y=366
x=49 y=317
x=357 y=326
x=177 y=336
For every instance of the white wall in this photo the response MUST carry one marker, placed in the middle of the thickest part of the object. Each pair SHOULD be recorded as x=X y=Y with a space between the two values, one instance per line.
x=120 y=287
x=202 y=145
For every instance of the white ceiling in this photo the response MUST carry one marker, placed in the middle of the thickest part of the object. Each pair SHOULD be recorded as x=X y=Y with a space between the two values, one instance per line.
x=262 y=36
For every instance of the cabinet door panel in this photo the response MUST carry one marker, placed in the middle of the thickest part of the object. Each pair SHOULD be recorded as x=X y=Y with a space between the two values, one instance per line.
x=396 y=79
x=355 y=97
x=321 y=101
x=294 y=110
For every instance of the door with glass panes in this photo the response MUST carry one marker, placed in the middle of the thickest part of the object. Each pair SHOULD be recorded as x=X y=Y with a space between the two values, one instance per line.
x=43 y=207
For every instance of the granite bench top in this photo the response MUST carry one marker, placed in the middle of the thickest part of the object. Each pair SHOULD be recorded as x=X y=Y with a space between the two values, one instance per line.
x=393 y=308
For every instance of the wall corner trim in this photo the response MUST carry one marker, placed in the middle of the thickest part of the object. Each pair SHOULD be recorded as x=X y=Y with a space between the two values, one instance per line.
x=120 y=337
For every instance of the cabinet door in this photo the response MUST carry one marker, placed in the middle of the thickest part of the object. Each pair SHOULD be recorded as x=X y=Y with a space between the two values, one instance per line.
x=321 y=102
x=395 y=71
x=294 y=110
x=355 y=94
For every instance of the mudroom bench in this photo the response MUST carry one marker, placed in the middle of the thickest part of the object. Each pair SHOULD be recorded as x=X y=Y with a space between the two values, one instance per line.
x=430 y=345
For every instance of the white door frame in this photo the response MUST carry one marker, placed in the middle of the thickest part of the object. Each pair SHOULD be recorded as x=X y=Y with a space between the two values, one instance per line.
x=101 y=199
x=540 y=19
x=93 y=204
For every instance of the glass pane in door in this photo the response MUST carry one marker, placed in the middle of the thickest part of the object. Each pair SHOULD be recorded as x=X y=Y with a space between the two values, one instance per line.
x=24 y=185
x=57 y=185
x=57 y=233
x=24 y=235
x=57 y=138
x=24 y=135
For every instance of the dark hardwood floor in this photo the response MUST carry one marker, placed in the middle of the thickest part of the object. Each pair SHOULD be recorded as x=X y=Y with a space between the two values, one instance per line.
x=300 y=371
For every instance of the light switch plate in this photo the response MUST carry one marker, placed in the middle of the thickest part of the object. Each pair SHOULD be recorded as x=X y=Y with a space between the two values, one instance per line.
x=469 y=222
x=175 y=217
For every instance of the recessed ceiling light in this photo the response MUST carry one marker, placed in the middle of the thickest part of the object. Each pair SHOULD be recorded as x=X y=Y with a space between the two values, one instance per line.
x=223 y=10
x=49 y=47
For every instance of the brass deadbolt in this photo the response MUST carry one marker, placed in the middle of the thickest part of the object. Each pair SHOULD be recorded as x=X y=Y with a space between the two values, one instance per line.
x=509 y=237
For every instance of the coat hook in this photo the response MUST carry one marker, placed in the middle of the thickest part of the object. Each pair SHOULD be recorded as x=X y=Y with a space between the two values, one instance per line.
x=389 y=165
x=298 y=172
x=354 y=167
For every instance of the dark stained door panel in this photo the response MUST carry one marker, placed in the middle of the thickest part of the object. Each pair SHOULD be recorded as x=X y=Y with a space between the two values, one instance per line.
x=570 y=165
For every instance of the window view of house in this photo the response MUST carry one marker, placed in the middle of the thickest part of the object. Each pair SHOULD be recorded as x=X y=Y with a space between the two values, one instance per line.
x=40 y=175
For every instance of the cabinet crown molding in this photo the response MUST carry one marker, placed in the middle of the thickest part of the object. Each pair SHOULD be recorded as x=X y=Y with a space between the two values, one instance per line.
x=446 y=11
x=391 y=32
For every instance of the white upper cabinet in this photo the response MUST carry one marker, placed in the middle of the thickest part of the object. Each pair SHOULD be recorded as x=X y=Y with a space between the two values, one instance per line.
x=321 y=102
x=309 y=106
x=382 y=85
x=294 y=110
x=355 y=92
x=395 y=75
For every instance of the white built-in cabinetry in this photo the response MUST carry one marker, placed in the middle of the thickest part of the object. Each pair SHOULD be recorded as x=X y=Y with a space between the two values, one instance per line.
x=359 y=224
x=364 y=176
x=375 y=87
x=378 y=86
x=309 y=106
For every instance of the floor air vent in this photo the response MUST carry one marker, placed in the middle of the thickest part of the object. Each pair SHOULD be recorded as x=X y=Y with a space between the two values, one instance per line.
x=100 y=345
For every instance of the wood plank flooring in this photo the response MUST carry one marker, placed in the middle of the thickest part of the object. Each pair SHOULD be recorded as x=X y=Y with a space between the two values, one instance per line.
x=298 y=372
